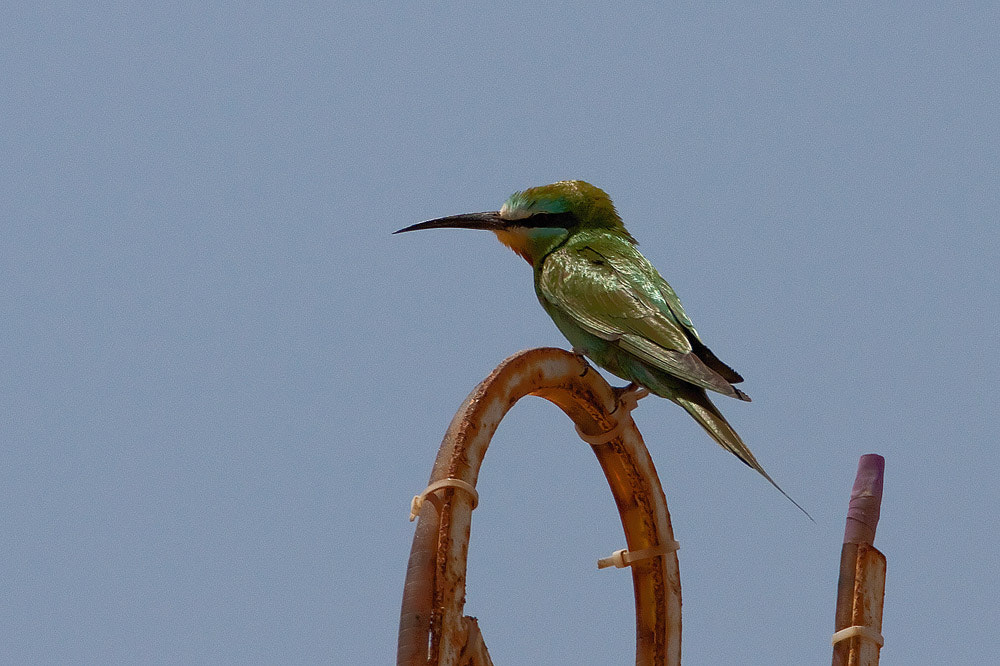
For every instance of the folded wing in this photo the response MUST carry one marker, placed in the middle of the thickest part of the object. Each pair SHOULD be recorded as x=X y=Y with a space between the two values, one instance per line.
x=613 y=292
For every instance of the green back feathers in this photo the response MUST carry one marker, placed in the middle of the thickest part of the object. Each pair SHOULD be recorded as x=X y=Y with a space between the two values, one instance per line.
x=590 y=206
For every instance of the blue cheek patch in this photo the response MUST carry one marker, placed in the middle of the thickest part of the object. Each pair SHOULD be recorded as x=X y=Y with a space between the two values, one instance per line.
x=546 y=233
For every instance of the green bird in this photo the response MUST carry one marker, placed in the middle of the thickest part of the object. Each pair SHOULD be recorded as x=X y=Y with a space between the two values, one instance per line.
x=609 y=301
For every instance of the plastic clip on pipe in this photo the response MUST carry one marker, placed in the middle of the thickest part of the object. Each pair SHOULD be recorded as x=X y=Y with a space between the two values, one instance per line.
x=624 y=558
x=860 y=631
x=418 y=500
x=629 y=401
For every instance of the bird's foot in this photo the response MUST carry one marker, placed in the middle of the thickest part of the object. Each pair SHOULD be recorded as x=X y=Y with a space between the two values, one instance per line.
x=580 y=354
x=636 y=391
x=630 y=395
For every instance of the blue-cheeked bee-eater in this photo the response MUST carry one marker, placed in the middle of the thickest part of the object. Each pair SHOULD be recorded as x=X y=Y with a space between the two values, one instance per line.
x=609 y=301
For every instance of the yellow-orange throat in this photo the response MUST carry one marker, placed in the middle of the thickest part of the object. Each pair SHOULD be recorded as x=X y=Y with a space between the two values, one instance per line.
x=516 y=240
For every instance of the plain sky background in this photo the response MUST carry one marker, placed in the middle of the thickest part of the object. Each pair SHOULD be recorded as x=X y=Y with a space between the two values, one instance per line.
x=223 y=379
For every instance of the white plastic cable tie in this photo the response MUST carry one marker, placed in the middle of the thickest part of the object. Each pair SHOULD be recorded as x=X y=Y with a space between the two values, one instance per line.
x=600 y=438
x=860 y=631
x=628 y=401
x=428 y=494
x=624 y=558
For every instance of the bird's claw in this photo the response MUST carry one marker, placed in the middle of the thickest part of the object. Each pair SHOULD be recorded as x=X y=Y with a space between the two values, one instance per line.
x=639 y=392
x=632 y=393
x=580 y=354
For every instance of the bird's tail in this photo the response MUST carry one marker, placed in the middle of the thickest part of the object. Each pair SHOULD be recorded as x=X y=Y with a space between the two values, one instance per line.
x=698 y=405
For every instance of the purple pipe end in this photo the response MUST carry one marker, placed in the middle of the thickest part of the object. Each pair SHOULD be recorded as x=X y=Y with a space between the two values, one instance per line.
x=866 y=500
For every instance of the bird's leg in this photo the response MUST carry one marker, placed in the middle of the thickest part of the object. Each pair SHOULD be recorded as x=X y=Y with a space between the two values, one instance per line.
x=639 y=392
x=580 y=354
x=632 y=393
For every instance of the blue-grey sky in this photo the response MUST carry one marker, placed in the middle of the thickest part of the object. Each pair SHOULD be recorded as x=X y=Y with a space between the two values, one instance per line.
x=223 y=379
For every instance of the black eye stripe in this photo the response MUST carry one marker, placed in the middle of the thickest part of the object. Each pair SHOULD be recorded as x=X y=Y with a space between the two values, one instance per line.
x=550 y=220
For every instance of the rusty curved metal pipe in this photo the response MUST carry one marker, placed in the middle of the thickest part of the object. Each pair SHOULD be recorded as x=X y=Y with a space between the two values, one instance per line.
x=432 y=628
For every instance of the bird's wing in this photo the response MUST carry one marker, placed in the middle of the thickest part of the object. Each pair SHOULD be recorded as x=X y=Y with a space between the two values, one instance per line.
x=612 y=291
x=699 y=348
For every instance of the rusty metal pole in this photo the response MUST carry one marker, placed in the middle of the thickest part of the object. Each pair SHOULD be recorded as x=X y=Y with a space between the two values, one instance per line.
x=861 y=587
x=433 y=629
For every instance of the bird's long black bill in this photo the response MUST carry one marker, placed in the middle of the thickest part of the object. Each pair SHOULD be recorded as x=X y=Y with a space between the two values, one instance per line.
x=490 y=221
